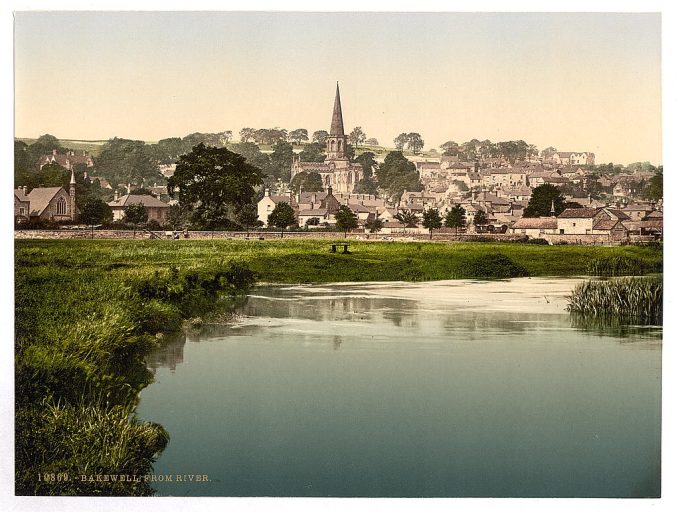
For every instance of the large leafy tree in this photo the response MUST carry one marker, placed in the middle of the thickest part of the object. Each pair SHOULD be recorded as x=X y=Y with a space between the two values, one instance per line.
x=450 y=148
x=281 y=160
x=281 y=217
x=397 y=174
x=542 y=199
x=313 y=152
x=123 y=161
x=480 y=218
x=320 y=137
x=44 y=145
x=298 y=135
x=251 y=152
x=432 y=220
x=247 y=134
x=215 y=183
x=400 y=141
x=136 y=215
x=345 y=219
x=455 y=218
x=654 y=190
x=95 y=211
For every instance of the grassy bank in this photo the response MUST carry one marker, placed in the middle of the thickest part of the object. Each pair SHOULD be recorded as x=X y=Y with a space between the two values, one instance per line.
x=87 y=312
x=82 y=332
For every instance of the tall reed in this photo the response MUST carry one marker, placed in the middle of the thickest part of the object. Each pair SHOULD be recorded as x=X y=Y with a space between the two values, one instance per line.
x=638 y=299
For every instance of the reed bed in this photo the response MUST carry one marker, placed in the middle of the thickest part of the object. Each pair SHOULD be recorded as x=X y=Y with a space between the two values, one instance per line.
x=638 y=299
x=620 y=265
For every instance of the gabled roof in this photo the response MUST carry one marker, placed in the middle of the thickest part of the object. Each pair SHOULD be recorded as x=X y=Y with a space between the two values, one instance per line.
x=40 y=198
x=618 y=214
x=147 y=201
x=578 y=213
x=535 y=223
x=605 y=224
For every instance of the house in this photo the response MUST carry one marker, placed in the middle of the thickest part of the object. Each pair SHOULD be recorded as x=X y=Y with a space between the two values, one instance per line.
x=67 y=161
x=534 y=226
x=573 y=158
x=22 y=206
x=591 y=221
x=155 y=209
x=52 y=204
x=266 y=205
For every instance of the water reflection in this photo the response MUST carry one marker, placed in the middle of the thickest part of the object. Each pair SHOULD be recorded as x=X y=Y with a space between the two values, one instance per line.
x=425 y=389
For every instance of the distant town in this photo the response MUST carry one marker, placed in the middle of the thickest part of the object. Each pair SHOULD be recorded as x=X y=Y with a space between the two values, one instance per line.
x=288 y=181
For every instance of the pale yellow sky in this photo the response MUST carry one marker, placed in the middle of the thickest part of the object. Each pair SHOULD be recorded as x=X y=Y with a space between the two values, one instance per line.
x=579 y=82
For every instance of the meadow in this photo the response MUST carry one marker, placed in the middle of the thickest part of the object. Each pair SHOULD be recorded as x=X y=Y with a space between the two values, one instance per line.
x=88 y=311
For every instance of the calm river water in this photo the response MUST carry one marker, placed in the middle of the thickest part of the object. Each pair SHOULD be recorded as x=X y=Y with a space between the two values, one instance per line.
x=451 y=388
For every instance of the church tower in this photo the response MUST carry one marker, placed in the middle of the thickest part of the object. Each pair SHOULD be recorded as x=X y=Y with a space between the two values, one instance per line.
x=336 y=142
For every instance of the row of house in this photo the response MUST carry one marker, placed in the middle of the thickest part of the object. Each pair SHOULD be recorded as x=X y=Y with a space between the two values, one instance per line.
x=616 y=224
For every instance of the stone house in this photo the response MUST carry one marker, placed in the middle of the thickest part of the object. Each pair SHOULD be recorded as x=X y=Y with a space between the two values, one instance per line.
x=534 y=227
x=591 y=221
x=67 y=161
x=155 y=209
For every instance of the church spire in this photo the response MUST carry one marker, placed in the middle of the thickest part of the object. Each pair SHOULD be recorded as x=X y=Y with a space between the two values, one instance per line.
x=337 y=128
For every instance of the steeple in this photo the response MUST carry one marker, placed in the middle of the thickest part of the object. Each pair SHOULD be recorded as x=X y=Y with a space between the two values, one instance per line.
x=336 y=141
x=337 y=128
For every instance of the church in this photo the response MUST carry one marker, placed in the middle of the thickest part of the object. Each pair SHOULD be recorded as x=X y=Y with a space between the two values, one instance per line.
x=337 y=172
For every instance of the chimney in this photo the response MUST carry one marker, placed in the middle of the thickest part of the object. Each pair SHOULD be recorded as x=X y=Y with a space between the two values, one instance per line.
x=314 y=198
x=54 y=151
x=330 y=191
x=266 y=192
x=85 y=175
x=115 y=195
x=128 y=189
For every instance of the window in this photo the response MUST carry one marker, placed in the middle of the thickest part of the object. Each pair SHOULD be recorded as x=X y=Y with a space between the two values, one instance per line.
x=22 y=211
x=61 y=206
x=573 y=224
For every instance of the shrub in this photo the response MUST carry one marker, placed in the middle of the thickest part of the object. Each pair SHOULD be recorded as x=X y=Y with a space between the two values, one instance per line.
x=494 y=266
x=617 y=266
x=538 y=241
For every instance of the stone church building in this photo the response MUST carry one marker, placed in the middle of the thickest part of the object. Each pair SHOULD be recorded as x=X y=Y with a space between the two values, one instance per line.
x=336 y=171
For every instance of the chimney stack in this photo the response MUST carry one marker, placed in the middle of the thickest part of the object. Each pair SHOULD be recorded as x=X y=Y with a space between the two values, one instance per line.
x=115 y=195
x=266 y=192
x=54 y=151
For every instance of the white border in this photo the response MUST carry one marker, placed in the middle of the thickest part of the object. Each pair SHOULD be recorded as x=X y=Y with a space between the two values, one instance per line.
x=671 y=85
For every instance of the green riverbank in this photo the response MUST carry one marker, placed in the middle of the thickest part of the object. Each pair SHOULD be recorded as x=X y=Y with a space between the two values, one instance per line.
x=87 y=313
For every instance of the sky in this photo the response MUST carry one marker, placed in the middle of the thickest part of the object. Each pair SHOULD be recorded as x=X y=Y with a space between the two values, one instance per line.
x=575 y=81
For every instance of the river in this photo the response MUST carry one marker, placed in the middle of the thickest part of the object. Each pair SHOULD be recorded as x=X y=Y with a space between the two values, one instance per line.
x=449 y=388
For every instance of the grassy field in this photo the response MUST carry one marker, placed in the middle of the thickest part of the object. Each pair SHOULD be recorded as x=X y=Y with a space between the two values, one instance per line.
x=302 y=261
x=88 y=311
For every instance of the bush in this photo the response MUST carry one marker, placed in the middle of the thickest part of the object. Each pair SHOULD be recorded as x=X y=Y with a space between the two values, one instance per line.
x=153 y=225
x=495 y=266
x=538 y=241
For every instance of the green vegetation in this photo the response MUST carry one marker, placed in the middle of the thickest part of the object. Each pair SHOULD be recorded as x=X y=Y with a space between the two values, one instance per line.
x=87 y=313
x=84 y=324
x=636 y=299
x=623 y=266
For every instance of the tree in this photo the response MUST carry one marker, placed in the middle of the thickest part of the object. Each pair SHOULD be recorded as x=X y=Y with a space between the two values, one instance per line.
x=400 y=141
x=225 y=137
x=313 y=152
x=123 y=161
x=247 y=134
x=480 y=218
x=406 y=218
x=548 y=152
x=167 y=151
x=280 y=161
x=281 y=217
x=215 y=184
x=372 y=142
x=357 y=136
x=44 y=145
x=251 y=152
x=450 y=148
x=366 y=186
x=415 y=142
x=298 y=135
x=21 y=157
x=136 y=215
x=367 y=162
x=542 y=199
x=247 y=217
x=654 y=189
x=345 y=219
x=178 y=216
x=320 y=137
x=432 y=220
x=307 y=182
x=455 y=218
x=397 y=174
x=96 y=211
x=375 y=225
